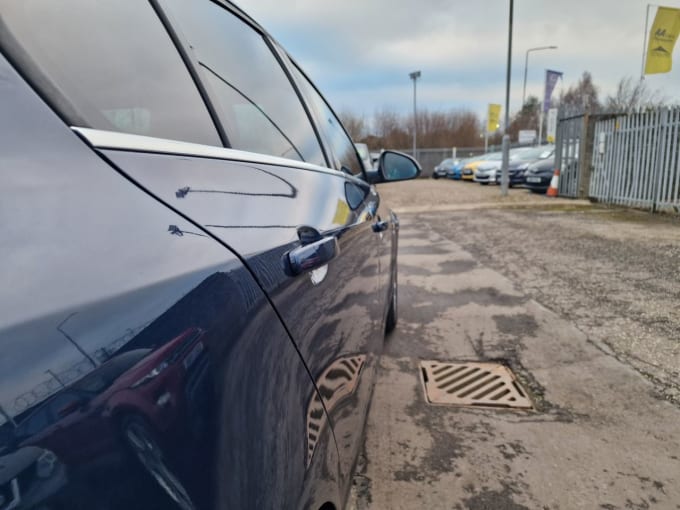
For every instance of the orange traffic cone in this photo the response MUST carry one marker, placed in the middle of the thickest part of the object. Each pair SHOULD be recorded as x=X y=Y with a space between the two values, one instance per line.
x=554 y=182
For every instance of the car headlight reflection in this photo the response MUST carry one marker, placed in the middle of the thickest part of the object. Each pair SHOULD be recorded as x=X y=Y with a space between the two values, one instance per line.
x=155 y=372
x=45 y=465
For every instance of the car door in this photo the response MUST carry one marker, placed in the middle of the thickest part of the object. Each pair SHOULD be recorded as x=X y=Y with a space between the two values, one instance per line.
x=271 y=211
x=333 y=310
x=95 y=269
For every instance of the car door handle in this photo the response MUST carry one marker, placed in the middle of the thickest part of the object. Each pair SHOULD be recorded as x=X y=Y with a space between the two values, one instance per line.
x=380 y=226
x=313 y=255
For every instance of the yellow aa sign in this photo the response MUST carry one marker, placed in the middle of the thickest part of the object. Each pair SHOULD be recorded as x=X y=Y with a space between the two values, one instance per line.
x=662 y=39
x=493 y=118
x=341 y=213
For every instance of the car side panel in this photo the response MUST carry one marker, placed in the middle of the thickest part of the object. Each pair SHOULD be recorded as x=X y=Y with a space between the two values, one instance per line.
x=160 y=330
x=335 y=313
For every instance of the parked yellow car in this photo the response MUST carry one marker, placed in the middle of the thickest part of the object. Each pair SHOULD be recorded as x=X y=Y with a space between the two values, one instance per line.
x=470 y=169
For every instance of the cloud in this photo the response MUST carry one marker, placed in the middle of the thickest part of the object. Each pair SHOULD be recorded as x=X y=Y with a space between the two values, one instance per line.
x=360 y=53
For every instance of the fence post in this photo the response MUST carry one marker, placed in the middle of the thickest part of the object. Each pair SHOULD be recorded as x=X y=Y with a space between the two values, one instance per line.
x=663 y=122
x=614 y=161
x=585 y=155
x=558 y=139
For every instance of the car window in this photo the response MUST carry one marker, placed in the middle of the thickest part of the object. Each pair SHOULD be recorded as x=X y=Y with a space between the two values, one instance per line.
x=105 y=375
x=259 y=107
x=34 y=424
x=343 y=149
x=63 y=403
x=115 y=64
x=362 y=149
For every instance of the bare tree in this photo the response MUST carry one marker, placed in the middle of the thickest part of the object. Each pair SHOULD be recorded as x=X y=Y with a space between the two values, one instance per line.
x=436 y=129
x=632 y=94
x=526 y=118
x=581 y=96
x=447 y=129
x=391 y=130
x=355 y=125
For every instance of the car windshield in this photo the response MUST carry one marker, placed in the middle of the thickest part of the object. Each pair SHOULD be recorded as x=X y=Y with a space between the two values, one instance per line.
x=446 y=162
x=105 y=375
x=534 y=154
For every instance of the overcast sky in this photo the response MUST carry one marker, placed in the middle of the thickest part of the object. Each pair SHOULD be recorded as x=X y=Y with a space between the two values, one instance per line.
x=359 y=53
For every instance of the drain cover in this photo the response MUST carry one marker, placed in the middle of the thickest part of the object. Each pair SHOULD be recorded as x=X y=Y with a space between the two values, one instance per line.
x=472 y=384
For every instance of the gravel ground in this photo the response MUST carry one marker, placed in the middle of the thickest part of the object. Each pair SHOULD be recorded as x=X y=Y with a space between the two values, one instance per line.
x=613 y=273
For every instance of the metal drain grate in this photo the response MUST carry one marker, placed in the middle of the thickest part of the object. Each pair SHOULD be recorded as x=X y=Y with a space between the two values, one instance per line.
x=472 y=384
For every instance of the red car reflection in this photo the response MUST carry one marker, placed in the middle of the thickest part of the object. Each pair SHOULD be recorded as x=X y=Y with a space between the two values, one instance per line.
x=143 y=386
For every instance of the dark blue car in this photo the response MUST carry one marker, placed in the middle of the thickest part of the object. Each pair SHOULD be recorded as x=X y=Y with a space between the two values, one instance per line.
x=444 y=168
x=518 y=166
x=539 y=175
x=197 y=273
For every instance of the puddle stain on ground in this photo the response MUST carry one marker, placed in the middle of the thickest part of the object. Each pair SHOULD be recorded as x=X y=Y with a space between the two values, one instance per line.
x=518 y=325
x=457 y=266
x=487 y=499
x=441 y=301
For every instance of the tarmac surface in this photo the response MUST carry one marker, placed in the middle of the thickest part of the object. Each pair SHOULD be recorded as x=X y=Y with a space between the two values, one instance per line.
x=582 y=303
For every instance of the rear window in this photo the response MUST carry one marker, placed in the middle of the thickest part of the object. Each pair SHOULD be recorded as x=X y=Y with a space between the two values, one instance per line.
x=259 y=107
x=114 y=63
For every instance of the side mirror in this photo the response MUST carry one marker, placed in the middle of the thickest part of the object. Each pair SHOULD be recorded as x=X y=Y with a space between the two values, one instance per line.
x=395 y=166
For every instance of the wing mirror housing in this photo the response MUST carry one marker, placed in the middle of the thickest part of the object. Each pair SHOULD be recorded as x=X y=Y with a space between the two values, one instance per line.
x=394 y=166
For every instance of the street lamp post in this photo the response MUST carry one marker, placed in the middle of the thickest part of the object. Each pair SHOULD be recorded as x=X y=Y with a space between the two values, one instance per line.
x=414 y=76
x=506 y=136
x=526 y=67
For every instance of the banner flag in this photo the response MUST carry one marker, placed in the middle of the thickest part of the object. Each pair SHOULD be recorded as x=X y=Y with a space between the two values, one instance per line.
x=551 y=78
x=552 y=125
x=493 y=118
x=662 y=39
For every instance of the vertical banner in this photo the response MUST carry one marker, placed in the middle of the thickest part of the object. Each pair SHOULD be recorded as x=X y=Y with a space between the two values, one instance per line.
x=493 y=118
x=662 y=39
x=552 y=125
x=551 y=78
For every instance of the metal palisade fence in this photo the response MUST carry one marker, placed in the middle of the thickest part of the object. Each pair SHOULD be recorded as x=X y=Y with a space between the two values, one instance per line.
x=636 y=160
x=629 y=159
x=572 y=128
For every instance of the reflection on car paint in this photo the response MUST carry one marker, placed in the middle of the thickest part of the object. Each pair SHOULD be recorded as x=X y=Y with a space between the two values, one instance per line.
x=30 y=477
x=336 y=383
x=292 y=193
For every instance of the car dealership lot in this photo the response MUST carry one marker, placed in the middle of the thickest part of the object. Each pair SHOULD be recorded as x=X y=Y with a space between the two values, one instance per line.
x=581 y=302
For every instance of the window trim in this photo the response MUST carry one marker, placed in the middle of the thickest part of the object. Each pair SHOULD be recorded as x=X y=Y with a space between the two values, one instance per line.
x=31 y=73
x=276 y=49
x=191 y=63
x=315 y=88
x=273 y=47
x=117 y=140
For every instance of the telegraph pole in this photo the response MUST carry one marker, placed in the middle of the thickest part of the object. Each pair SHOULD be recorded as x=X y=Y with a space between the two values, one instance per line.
x=73 y=342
